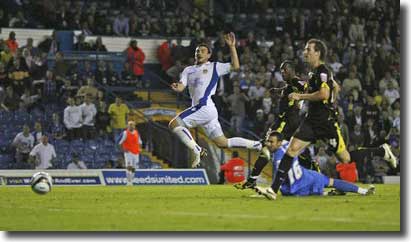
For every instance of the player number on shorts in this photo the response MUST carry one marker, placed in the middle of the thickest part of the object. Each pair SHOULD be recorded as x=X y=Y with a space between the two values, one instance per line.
x=295 y=173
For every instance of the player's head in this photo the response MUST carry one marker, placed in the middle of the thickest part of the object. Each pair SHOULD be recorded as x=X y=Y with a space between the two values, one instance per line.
x=315 y=51
x=202 y=53
x=274 y=141
x=131 y=125
x=287 y=69
x=45 y=139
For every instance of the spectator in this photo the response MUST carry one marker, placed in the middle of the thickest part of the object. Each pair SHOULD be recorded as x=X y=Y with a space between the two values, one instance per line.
x=28 y=99
x=87 y=71
x=67 y=90
x=11 y=99
x=23 y=142
x=356 y=31
x=4 y=79
x=127 y=76
x=60 y=67
x=370 y=133
x=88 y=111
x=233 y=169
x=396 y=123
x=267 y=103
x=99 y=46
x=37 y=133
x=12 y=43
x=383 y=84
x=357 y=118
x=49 y=88
x=50 y=44
x=101 y=73
x=73 y=119
x=335 y=64
x=29 y=46
x=2 y=97
x=81 y=44
x=18 y=20
x=112 y=76
x=237 y=102
x=19 y=76
x=179 y=52
x=391 y=93
x=164 y=55
x=259 y=123
x=174 y=72
x=56 y=128
x=76 y=163
x=43 y=154
x=256 y=94
x=6 y=56
x=357 y=137
x=352 y=85
x=102 y=119
x=39 y=66
x=120 y=25
x=370 y=110
x=135 y=58
x=118 y=112
x=89 y=89
x=322 y=158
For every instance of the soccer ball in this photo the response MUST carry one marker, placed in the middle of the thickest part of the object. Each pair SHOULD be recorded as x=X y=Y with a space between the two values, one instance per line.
x=41 y=183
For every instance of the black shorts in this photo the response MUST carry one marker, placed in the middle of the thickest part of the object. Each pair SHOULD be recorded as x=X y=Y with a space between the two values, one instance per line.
x=288 y=125
x=328 y=131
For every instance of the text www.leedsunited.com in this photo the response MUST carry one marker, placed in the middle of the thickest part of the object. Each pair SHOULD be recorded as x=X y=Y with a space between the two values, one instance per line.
x=158 y=180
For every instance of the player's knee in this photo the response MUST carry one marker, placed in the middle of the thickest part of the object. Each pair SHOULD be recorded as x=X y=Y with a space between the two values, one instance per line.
x=172 y=124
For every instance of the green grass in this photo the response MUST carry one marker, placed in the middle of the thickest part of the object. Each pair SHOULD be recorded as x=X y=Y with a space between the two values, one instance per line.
x=193 y=208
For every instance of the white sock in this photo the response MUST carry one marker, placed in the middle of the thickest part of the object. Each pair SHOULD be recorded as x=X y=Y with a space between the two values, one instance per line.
x=185 y=136
x=243 y=143
x=362 y=191
x=130 y=176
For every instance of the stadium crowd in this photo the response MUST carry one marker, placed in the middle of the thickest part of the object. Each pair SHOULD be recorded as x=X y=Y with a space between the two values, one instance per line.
x=363 y=39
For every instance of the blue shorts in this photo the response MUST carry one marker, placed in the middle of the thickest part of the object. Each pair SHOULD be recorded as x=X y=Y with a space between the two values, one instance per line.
x=310 y=183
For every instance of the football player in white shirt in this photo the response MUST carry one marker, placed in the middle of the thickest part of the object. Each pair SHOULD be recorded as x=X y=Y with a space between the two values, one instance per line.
x=201 y=80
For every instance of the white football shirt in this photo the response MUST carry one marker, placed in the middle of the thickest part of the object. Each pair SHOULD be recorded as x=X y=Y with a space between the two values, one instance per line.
x=202 y=81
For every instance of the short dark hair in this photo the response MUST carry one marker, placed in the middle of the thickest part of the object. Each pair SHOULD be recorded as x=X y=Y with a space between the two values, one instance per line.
x=320 y=46
x=288 y=63
x=205 y=45
x=277 y=134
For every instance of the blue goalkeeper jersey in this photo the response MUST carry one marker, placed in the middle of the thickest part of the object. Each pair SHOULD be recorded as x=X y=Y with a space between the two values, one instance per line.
x=300 y=181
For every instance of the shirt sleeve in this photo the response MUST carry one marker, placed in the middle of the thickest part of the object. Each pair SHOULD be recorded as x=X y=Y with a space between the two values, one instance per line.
x=223 y=68
x=34 y=151
x=183 y=77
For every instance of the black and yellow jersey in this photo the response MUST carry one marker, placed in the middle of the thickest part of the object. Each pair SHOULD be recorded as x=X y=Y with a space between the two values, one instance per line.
x=289 y=110
x=286 y=105
x=323 y=110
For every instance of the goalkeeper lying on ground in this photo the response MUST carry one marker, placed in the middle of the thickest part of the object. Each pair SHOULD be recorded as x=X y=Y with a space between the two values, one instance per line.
x=301 y=181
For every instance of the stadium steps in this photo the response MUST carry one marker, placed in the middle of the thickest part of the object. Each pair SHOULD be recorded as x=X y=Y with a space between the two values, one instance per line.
x=154 y=158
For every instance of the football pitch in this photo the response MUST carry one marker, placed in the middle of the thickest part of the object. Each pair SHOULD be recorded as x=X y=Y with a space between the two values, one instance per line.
x=193 y=208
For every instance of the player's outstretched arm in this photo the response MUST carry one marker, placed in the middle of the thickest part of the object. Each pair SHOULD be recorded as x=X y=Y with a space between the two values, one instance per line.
x=322 y=94
x=230 y=41
x=177 y=86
